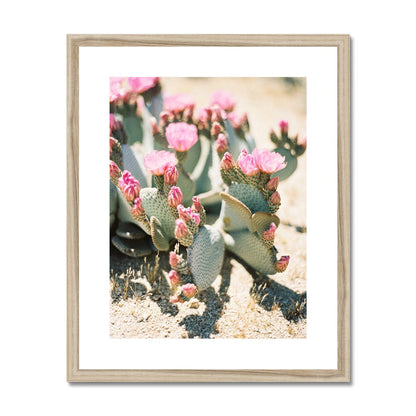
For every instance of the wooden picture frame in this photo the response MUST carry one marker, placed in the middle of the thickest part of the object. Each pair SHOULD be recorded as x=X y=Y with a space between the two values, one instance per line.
x=342 y=372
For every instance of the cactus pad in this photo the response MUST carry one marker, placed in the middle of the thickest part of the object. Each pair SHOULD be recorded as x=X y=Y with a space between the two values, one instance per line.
x=205 y=256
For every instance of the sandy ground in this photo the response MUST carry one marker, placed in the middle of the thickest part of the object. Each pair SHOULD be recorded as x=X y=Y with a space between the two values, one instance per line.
x=241 y=303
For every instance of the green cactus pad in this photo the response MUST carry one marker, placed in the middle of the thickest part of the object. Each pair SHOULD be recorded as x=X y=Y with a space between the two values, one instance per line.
x=134 y=127
x=132 y=248
x=292 y=163
x=249 y=196
x=251 y=249
x=205 y=256
x=113 y=203
x=192 y=156
x=131 y=164
x=159 y=238
x=156 y=205
x=261 y=221
x=187 y=186
x=200 y=172
x=236 y=215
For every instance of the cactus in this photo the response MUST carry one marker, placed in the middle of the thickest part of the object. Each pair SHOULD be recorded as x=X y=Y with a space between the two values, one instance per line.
x=212 y=156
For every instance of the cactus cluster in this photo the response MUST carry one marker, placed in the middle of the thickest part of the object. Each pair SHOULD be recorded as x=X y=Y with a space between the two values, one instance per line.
x=170 y=169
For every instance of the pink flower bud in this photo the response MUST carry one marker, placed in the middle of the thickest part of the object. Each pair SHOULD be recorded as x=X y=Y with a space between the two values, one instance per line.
x=181 y=229
x=175 y=299
x=275 y=198
x=131 y=191
x=221 y=144
x=217 y=114
x=174 y=278
x=137 y=208
x=227 y=162
x=269 y=233
x=184 y=213
x=196 y=206
x=195 y=217
x=216 y=128
x=164 y=118
x=114 y=170
x=155 y=127
x=272 y=184
x=173 y=259
x=302 y=142
x=175 y=197
x=171 y=175
x=284 y=127
x=282 y=263
x=189 y=290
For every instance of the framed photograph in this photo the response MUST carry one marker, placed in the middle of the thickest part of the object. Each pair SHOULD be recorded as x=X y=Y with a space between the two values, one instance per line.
x=207 y=239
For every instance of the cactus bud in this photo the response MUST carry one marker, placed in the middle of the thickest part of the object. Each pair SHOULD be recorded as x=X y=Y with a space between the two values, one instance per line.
x=173 y=259
x=302 y=142
x=181 y=229
x=131 y=191
x=196 y=206
x=217 y=114
x=284 y=127
x=174 y=278
x=175 y=197
x=175 y=299
x=137 y=208
x=155 y=127
x=189 y=290
x=114 y=170
x=171 y=175
x=282 y=263
x=216 y=128
x=275 y=198
x=269 y=233
x=184 y=213
x=221 y=144
x=164 y=118
x=272 y=184
x=227 y=162
x=195 y=217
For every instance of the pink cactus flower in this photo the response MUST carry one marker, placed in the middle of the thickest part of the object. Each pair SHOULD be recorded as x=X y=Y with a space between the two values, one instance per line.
x=216 y=128
x=181 y=229
x=175 y=197
x=173 y=259
x=284 y=127
x=115 y=88
x=269 y=162
x=114 y=170
x=184 y=213
x=171 y=175
x=189 y=290
x=227 y=162
x=181 y=136
x=247 y=163
x=137 y=208
x=174 y=278
x=196 y=218
x=178 y=103
x=275 y=198
x=282 y=263
x=114 y=123
x=142 y=84
x=158 y=161
x=196 y=206
x=221 y=144
x=269 y=233
x=204 y=117
x=224 y=99
x=155 y=127
x=272 y=184
x=237 y=120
